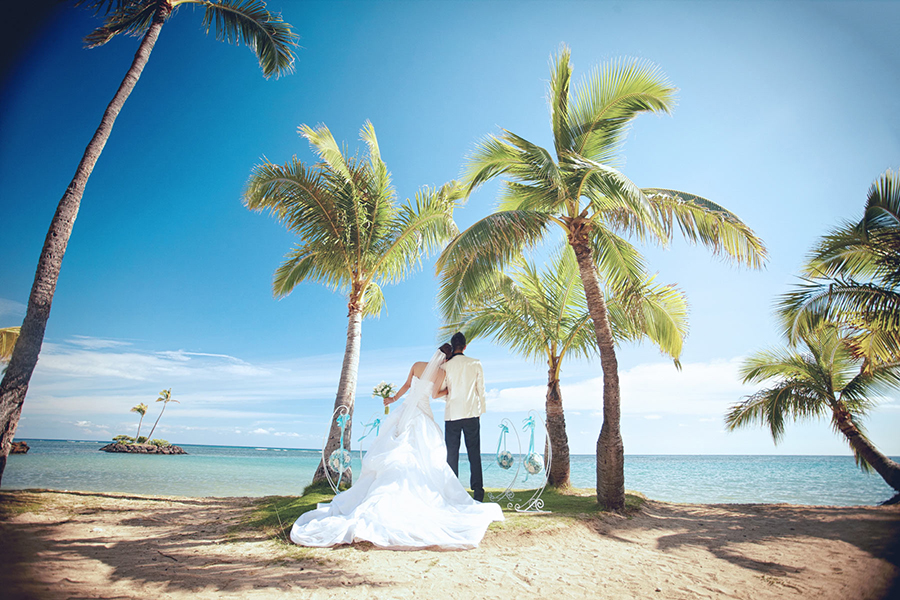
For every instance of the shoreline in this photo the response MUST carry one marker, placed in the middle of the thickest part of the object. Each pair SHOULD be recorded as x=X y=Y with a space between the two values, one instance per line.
x=93 y=544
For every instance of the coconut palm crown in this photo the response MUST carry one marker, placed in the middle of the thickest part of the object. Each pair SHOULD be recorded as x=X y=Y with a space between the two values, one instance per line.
x=852 y=277
x=579 y=189
x=353 y=235
x=235 y=21
x=821 y=379
x=542 y=315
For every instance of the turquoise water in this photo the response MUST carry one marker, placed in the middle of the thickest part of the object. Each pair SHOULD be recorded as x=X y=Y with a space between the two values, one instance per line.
x=236 y=471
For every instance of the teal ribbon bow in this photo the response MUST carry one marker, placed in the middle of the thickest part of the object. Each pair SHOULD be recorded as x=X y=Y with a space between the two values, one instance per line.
x=369 y=427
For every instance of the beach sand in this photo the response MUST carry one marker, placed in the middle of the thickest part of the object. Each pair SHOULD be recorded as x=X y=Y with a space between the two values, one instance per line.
x=94 y=545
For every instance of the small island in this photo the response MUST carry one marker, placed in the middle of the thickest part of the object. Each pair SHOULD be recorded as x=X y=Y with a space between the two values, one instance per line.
x=143 y=448
x=145 y=444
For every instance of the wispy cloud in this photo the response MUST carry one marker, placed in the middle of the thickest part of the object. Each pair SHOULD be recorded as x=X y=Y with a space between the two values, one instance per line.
x=10 y=309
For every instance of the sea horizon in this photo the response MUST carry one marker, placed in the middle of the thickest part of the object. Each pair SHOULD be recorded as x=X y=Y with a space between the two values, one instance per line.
x=256 y=471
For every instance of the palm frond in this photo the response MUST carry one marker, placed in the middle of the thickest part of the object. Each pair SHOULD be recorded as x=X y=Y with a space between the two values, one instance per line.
x=249 y=22
x=373 y=300
x=419 y=230
x=8 y=338
x=486 y=246
x=773 y=406
x=324 y=144
x=617 y=260
x=708 y=223
x=560 y=79
x=608 y=99
x=129 y=18
x=306 y=264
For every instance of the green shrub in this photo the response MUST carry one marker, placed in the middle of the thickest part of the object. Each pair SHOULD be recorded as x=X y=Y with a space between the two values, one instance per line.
x=160 y=443
x=123 y=439
x=142 y=439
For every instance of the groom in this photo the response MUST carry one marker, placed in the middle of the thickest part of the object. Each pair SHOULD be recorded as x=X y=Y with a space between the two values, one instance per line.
x=465 y=404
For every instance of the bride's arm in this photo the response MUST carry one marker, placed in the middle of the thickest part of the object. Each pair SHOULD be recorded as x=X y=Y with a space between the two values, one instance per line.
x=439 y=380
x=403 y=389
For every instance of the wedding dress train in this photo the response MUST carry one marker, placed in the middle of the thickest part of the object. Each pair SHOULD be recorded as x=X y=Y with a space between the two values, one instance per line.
x=406 y=496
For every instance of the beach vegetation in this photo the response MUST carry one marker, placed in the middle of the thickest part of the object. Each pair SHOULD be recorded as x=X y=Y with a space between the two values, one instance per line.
x=542 y=314
x=160 y=443
x=165 y=397
x=852 y=278
x=820 y=377
x=578 y=190
x=234 y=21
x=353 y=236
x=124 y=439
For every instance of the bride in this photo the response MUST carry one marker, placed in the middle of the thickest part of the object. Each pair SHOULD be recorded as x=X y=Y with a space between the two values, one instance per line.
x=406 y=496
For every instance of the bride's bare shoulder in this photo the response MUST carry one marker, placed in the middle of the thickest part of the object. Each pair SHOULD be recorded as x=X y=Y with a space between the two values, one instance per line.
x=418 y=368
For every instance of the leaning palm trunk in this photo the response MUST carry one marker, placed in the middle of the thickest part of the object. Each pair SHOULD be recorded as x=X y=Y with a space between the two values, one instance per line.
x=25 y=356
x=345 y=396
x=558 y=475
x=610 y=449
x=862 y=447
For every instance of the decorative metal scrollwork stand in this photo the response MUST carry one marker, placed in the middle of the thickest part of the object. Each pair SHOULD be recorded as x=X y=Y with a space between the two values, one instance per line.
x=531 y=461
x=339 y=460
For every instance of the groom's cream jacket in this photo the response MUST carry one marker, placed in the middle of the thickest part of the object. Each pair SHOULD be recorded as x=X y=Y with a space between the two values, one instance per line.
x=465 y=384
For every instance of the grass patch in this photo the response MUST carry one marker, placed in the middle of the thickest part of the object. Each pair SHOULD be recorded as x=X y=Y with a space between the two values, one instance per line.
x=572 y=502
x=274 y=515
x=16 y=503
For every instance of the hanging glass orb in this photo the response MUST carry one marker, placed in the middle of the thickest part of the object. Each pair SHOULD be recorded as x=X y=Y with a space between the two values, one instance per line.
x=534 y=463
x=505 y=459
x=339 y=461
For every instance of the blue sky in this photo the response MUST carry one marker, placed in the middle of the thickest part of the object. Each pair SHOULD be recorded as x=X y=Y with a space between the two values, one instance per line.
x=787 y=112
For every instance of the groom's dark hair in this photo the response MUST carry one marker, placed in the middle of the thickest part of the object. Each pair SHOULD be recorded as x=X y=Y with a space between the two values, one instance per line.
x=458 y=342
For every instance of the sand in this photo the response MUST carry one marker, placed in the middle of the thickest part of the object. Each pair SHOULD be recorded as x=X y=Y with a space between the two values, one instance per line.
x=92 y=545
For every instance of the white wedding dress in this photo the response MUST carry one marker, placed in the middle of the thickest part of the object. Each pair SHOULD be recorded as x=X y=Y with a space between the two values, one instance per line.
x=406 y=496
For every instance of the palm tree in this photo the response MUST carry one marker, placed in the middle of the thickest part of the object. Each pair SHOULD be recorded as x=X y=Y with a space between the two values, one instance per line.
x=824 y=380
x=354 y=237
x=141 y=409
x=245 y=21
x=544 y=315
x=165 y=397
x=852 y=277
x=583 y=193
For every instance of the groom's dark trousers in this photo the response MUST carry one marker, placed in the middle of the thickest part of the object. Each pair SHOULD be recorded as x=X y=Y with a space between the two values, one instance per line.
x=471 y=429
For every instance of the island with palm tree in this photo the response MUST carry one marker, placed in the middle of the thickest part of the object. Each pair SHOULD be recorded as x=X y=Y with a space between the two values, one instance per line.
x=141 y=444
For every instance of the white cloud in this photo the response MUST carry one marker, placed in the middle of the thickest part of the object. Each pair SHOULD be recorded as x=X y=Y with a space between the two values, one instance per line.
x=10 y=309
x=92 y=343
x=261 y=431
x=652 y=417
x=647 y=389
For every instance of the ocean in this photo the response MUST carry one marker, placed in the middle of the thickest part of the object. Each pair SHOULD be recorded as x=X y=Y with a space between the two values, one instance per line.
x=239 y=471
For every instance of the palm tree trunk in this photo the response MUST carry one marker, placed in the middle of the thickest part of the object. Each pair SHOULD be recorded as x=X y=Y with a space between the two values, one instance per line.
x=25 y=356
x=141 y=422
x=558 y=475
x=150 y=437
x=345 y=395
x=884 y=466
x=610 y=449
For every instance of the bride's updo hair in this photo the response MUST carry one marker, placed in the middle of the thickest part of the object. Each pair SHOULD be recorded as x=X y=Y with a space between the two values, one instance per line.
x=447 y=349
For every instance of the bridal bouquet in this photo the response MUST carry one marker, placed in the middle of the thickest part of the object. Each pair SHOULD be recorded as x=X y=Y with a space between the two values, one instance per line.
x=383 y=390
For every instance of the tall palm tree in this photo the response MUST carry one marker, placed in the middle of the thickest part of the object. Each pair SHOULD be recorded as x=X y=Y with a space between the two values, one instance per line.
x=165 y=397
x=826 y=380
x=583 y=193
x=542 y=314
x=353 y=235
x=141 y=409
x=245 y=21
x=852 y=277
